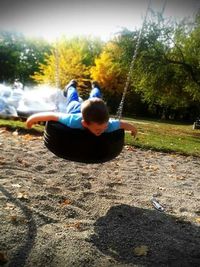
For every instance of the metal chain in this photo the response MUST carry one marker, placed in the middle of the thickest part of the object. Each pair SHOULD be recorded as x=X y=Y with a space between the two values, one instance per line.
x=57 y=70
x=121 y=105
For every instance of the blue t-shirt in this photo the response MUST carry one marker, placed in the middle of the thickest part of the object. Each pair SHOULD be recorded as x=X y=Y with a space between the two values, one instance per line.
x=74 y=121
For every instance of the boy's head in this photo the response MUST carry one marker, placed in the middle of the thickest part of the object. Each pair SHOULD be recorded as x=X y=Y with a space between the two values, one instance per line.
x=95 y=115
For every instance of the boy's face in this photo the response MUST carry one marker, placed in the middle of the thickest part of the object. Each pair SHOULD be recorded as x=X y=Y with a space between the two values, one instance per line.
x=95 y=128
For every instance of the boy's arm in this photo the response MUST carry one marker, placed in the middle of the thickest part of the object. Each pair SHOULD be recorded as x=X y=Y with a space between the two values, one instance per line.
x=128 y=127
x=42 y=116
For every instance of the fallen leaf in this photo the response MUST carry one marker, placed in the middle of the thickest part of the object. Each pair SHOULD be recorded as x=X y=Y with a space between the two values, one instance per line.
x=180 y=177
x=27 y=137
x=23 y=162
x=129 y=148
x=16 y=219
x=176 y=177
x=66 y=202
x=154 y=167
x=19 y=160
x=22 y=195
x=13 y=218
x=2 y=162
x=16 y=185
x=15 y=133
x=190 y=193
x=173 y=167
x=3 y=257
x=73 y=225
x=197 y=220
x=9 y=206
x=161 y=188
x=3 y=130
x=141 y=250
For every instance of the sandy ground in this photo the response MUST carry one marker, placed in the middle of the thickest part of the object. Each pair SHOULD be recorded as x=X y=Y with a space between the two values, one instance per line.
x=56 y=213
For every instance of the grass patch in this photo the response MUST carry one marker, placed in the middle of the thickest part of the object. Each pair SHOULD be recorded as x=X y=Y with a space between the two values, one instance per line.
x=166 y=136
x=152 y=134
x=12 y=125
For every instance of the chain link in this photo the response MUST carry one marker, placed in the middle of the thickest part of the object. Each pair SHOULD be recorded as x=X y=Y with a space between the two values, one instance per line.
x=121 y=105
x=57 y=67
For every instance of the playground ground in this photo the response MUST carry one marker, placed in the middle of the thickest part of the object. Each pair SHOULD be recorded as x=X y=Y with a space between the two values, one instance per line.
x=58 y=213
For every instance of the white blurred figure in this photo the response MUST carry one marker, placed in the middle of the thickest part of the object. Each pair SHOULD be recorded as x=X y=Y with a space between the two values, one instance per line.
x=6 y=108
x=39 y=99
x=17 y=85
x=17 y=93
x=5 y=91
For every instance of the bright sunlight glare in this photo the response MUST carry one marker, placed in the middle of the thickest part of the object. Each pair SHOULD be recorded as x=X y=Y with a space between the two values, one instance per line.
x=51 y=19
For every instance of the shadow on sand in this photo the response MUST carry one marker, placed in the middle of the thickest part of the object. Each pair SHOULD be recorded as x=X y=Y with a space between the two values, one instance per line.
x=170 y=241
x=23 y=250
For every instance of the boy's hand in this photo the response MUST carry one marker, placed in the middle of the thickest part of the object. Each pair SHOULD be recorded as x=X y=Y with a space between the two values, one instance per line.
x=30 y=121
x=28 y=124
x=129 y=127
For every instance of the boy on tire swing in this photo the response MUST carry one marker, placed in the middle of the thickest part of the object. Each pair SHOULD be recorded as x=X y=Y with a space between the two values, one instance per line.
x=91 y=114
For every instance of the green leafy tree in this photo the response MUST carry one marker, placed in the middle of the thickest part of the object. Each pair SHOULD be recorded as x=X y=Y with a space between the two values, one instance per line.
x=10 y=50
x=32 y=55
x=187 y=47
x=20 y=56
x=165 y=71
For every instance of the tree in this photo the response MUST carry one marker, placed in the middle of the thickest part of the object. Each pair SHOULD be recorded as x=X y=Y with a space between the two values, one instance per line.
x=166 y=74
x=188 y=39
x=10 y=50
x=107 y=69
x=32 y=55
x=69 y=59
x=19 y=56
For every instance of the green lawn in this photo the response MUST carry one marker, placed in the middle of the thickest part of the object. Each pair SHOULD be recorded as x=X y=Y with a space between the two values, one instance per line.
x=166 y=136
x=152 y=134
x=12 y=125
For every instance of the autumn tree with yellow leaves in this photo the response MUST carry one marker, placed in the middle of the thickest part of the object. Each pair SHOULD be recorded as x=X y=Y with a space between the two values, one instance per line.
x=108 y=71
x=69 y=59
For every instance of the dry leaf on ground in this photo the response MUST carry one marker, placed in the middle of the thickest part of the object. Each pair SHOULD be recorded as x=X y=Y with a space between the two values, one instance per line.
x=141 y=250
x=3 y=257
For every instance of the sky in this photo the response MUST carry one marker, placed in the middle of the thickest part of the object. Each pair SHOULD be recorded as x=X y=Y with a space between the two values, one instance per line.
x=51 y=19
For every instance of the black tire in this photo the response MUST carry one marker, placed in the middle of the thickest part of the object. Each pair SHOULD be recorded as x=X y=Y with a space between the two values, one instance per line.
x=81 y=145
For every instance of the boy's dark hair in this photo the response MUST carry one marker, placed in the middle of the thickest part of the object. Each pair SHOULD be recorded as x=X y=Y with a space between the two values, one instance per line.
x=94 y=110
